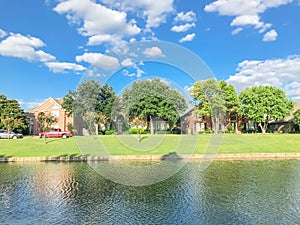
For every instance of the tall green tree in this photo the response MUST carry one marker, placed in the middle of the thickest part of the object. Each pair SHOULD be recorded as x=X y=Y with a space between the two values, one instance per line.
x=296 y=119
x=231 y=100
x=148 y=99
x=210 y=101
x=12 y=115
x=263 y=104
x=91 y=101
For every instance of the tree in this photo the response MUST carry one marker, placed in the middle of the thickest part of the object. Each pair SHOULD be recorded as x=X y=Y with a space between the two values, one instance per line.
x=263 y=104
x=147 y=99
x=46 y=121
x=296 y=119
x=90 y=101
x=231 y=100
x=11 y=115
x=210 y=101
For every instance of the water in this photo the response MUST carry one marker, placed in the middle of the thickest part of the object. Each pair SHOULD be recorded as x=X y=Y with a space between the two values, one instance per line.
x=228 y=192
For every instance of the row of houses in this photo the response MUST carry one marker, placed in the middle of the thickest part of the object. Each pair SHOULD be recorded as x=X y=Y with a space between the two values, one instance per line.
x=190 y=123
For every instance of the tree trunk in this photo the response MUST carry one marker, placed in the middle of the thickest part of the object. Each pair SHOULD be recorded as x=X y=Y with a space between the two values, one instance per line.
x=151 y=125
x=262 y=127
x=8 y=133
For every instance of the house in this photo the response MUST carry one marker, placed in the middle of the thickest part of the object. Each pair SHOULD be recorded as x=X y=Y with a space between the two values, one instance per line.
x=51 y=106
x=286 y=125
x=193 y=123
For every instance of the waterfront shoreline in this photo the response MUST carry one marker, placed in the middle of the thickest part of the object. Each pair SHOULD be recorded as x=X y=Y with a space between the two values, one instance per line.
x=155 y=158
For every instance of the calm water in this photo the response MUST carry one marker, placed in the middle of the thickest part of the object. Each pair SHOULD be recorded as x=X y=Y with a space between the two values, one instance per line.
x=232 y=192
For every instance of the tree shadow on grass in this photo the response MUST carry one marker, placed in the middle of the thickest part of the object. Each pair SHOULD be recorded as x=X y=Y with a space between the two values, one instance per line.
x=4 y=158
x=171 y=156
x=50 y=140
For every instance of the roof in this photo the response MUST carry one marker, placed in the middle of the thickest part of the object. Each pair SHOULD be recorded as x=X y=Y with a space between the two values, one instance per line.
x=58 y=101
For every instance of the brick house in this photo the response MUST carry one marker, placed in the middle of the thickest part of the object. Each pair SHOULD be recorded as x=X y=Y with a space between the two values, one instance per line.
x=51 y=106
x=192 y=123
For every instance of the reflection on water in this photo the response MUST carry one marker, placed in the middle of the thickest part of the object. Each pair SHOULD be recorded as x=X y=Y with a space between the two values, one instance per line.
x=228 y=192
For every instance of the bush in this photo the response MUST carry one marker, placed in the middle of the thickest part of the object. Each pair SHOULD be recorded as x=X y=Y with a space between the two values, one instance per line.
x=109 y=132
x=141 y=131
x=208 y=131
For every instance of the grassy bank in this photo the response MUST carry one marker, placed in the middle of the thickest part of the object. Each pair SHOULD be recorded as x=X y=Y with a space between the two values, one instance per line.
x=232 y=144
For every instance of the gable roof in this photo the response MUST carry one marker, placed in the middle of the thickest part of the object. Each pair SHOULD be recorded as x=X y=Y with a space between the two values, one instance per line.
x=57 y=101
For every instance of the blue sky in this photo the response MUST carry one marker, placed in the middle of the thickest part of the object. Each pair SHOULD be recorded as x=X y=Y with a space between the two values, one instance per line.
x=48 y=46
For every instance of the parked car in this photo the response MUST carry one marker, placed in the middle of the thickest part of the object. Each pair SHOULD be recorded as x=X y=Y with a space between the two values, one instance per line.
x=12 y=135
x=56 y=133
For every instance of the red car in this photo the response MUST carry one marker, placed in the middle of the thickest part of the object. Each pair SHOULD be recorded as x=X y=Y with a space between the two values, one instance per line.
x=56 y=133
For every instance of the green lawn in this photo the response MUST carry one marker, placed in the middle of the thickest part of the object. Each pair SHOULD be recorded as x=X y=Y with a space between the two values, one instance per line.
x=127 y=145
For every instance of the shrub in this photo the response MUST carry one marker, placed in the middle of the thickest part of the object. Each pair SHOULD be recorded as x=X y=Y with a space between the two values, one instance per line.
x=208 y=131
x=109 y=132
x=230 y=129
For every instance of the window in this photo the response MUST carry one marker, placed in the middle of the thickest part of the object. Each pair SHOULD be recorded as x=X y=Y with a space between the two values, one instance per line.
x=55 y=111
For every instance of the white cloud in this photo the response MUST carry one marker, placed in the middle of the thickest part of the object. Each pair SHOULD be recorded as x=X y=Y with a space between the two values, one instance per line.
x=97 y=19
x=127 y=74
x=270 y=36
x=99 y=60
x=127 y=62
x=62 y=67
x=154 y=52
x=19 y=46
x=104 y=38
x=188 y=37
x=154 y=12
x=2 y=33
x=186 y=17
x=245 y=13
x=282 y=73
x=236 y=31
x=31 y=104
x=138 y=73
x=183 y=28
x=93 y=73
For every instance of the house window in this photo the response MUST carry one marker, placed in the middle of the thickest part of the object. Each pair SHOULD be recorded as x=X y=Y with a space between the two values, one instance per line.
x=55 y=111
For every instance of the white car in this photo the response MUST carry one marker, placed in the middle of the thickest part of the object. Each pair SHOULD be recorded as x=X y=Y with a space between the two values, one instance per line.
x=12 y=135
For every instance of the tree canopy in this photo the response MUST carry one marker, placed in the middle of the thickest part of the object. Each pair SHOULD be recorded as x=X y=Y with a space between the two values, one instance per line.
x=91 y=101
x=11 y=115
x=263 y=104
x=296 y=118
x=148 y=99
x=210 y=101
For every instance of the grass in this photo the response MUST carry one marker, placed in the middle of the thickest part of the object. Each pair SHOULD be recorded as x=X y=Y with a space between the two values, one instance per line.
x=128 y=145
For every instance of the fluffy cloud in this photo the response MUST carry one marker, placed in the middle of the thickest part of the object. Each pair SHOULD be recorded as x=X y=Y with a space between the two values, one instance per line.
x=283 y=73
x=188 y=37
x=99 y=60
x=154 y=52
x=97 y=19
x=31 y=104
x=2 y=33
x=61 y=67
x=24 y=47
x=245 y=12
x=104 y=38
x=154 y=12
x=183 y=28
x=127 y=62
x=186 y=17
x=270 y=36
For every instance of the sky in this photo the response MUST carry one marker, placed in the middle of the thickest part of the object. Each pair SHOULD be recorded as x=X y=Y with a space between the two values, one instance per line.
x=47 y=47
